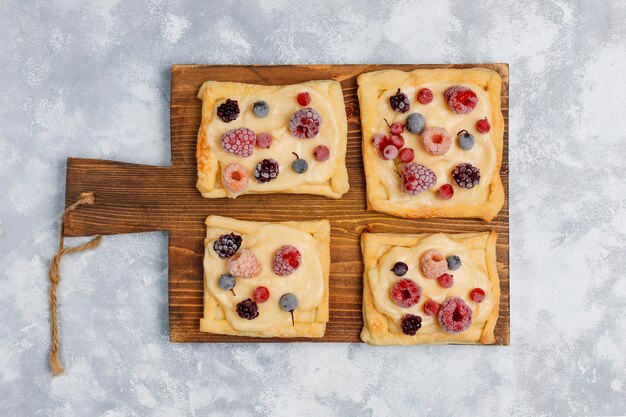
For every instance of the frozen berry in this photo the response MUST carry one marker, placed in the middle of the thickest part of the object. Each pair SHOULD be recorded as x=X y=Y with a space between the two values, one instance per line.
x=399 y=102
x=300 y=165
x=286 y=260
x=289 y=302
x=431 y=307
x=436 y=140
x=303 y=98
x=410 y=324
x=260 y=108
x=417 y=178
x=445 y=192
x=235 y=178
x=483 y=126
x=396 y=128
x=454 y=262
x=261 y=294
x=466 y=140
x=433 y=264
x=321 y=153
x=264 y=140
x=380 y=141
x=406 y=293
x=477 y=295
x=390 y=152
x=446 y=280
x=455 y=316
x=461 y=100
x=248 y=309
x=466 y=175
x=227 y=245
x=226 y=282
x=407 y=155
x=415 y=123
x=305 y=123
x=397 y=141
x=266 y=170
x=228 y=111
x=400 y=268
x=239 y=141
x=244 y=264
x=425 y=96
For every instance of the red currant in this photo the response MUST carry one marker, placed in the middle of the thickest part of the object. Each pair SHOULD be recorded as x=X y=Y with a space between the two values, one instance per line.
x=446 y=192
x=261 y=294
x=483 y=126
x=477 y=295
x=425 y=96
x=304 y=99
x=446 y=280
x=407 y=155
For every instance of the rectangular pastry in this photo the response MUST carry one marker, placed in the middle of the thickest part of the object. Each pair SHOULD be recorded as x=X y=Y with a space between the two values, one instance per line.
x=432 y=142
x=259 y=139
x=266 y=279
x=430 y=288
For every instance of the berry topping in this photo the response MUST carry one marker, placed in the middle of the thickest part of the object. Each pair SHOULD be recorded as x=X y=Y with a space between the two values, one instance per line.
x=483 y=126
x=397 y=141
x=305 y=123
x=415 y=123
x=454 y=262
x=266 y=170
x=425 y=96
x=466 y=175
x=407 y=155
x=433 y=264
x=390 y=152
x=260 y=109
x=396 y=127
x=477 y=295
x=446 y=280
x=248 y=309
x=406 y=293
x=431 y=307
x=289 y=302
x=235 y=178
x=417 y=178
x=228 y=111
x=436 y=140
x=264 y=140
x=466 y=140
x=286 y=260
x=303 y=98
x=461 y=99
x=261 y=294
x=300 y=166
x=239 y=141
x=445 y=192
x=455 y=316
x=400 y=268
x=226 y=282
x=321 y=153
x=227 y=245
x=399 y=102
x=380 y=141
x=410 y=324
x=244 y=264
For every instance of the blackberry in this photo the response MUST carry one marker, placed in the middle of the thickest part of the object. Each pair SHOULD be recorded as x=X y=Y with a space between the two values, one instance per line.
x=399 y=102
x=466 y=175
x=228 y=111
x=248 y=309
x=411 y=324
x=266 y=170
x=227 y=245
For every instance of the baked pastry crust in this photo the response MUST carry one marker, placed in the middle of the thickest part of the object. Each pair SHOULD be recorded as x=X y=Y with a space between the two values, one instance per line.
x=307 y=323
x=209 y=171
x=376 y=329
x=370 y=87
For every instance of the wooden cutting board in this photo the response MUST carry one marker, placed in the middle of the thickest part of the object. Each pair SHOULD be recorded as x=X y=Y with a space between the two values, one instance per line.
x=133 y=198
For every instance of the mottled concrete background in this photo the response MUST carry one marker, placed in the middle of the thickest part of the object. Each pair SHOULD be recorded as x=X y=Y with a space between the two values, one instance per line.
x=93 y=81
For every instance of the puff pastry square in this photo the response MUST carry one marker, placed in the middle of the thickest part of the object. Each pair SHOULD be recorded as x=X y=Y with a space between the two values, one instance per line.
x=385 y=188
x=382 y=316
x=328 y=178
x=309 y=282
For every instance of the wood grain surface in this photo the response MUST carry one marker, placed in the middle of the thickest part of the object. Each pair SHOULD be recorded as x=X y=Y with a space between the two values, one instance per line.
x=133 y=198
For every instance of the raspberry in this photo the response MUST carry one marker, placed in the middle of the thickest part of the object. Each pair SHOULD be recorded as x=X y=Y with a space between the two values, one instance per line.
x=227 y=245
x=286 y=260
x=399 y=102
x=446 y=280
x=228 y=111
x=445 y=192
x=433 y=264
x=266 y=170
x=303 y=98
x=407 y=155
x=436 y=140
x=321 y=153
x=239 y=141
x=425 y=96
x=431 y=307
x=461 y=100
x=264 y=140
x=235 y=178
x=248 y=309
x=455 y=316
x=466 y=175
x=261 y=294
x=410 y=324
x=397 y=141
x=305 y=123
x=417 y=178
x=483 y=126
x=406 y=293
x=390 y=152
x=477 y=295
x=244 y=264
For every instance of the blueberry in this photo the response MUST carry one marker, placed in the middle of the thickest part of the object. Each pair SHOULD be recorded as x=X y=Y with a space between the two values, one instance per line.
x=466 y=140
x=288 y=302
x=400 y=268
x=454 y=262
x=226 y=282
x=299 y=165
x=415 y=123
x=260 y=108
